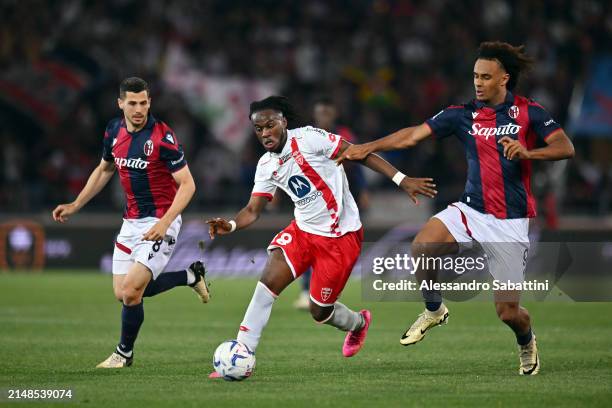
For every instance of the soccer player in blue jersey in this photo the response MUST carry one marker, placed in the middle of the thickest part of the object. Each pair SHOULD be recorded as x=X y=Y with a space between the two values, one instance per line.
x=502 y=134
x=158 y=186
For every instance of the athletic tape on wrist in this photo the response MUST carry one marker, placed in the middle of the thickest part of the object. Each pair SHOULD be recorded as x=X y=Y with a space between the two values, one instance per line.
x=399 y=176
x=233 y=224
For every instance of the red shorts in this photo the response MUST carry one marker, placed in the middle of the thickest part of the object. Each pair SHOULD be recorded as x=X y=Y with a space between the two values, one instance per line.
x=332 y=259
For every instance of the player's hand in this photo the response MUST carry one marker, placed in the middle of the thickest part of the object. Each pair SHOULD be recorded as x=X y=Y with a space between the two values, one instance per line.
x=354 y=152
x=63 y=211
x=157 y=231
x=218 y=226
x=422 y=186
x=513 y=149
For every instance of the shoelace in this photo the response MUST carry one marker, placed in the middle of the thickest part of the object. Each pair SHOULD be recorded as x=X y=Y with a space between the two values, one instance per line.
x=527 y=352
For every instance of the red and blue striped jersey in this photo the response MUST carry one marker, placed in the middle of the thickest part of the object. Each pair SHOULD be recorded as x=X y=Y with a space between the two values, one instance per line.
x=145 y=161
x=496 y=185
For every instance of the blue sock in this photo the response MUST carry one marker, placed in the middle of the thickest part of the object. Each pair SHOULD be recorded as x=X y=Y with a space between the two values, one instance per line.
x=164 y=282
x=523 y=339
x=433 y=299
x=131 y=320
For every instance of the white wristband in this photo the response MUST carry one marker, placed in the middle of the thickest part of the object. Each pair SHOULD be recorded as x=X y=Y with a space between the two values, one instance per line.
x=233 y=224
x=399 y=176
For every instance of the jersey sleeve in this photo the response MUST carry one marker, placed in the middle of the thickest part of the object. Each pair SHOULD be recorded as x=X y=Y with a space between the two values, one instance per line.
x=171 y=151
x=322 y=142
x=542 y=124
x=263 y=186
x=445 y=122
x=109 y=135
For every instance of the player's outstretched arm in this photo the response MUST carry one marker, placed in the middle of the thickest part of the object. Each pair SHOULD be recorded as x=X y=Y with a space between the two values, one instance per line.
x=184 y=194
x=245 y=217
x=402 y=139
x=96 y=182
x=558 y=147
x=412 y=186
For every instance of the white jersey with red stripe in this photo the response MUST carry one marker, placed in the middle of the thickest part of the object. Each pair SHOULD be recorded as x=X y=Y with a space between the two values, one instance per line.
x=306 y=171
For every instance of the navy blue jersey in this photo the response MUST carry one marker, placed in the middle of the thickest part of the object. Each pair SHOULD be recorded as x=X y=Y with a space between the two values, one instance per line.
x=496 y=185
x=145 y=161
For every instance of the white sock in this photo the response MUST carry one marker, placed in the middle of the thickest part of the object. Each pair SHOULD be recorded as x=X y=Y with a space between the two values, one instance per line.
x=256 y=316
x=190 y=277
x=344 y=318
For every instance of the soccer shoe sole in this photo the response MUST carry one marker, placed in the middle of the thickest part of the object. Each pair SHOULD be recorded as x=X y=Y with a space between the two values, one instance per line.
x=405 y=342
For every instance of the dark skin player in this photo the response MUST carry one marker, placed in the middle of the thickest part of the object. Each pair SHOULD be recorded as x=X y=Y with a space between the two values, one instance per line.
x=271 y=130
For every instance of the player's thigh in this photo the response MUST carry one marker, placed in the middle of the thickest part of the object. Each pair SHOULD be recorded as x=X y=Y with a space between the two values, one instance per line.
x=434 y=239
x=135 y=282
x=118 y=286
x=276 y=275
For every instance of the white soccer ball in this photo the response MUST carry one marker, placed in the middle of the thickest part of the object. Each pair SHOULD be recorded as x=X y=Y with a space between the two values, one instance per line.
x=234 y=361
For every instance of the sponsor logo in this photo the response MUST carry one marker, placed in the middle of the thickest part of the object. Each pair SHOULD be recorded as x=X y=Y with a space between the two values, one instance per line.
x=326 y=293
x=513 y=112
x=148 y=147
x=474 y=114
x=151 y=255
x=169 y=138
x=177 y=161
x=138 y=163
x=299 y=186
x=284 y=159
x=509 y=129
x=309 y=199
x=550 y=122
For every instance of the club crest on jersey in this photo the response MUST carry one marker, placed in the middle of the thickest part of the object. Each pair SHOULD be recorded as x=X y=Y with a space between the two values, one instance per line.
x=148 y=147
x=299 y=186
x=297 y=156
x=326 y=293
x=169 y=138
x=513 y=112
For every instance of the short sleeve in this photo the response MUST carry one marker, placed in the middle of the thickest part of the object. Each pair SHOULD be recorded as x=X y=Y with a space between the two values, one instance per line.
x=171 y=151
x=445 y=122
x=322 y=142
x=542 y=124
x=263 y=186
x=110 y=133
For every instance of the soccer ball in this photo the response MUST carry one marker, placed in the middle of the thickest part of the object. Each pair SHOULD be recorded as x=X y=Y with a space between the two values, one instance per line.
x=234 y=361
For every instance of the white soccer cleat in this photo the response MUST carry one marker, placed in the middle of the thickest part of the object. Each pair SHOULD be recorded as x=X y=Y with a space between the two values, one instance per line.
x=116 y=360
x=424 y=322
x=200 y=286
x=530 y=360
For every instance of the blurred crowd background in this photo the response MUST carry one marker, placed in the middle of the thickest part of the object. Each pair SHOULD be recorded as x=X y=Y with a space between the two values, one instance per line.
x=385 y=64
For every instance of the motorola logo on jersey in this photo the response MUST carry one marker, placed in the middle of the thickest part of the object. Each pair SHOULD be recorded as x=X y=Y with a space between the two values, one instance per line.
x=509 y=129
x=138 y=163
x=299 y=186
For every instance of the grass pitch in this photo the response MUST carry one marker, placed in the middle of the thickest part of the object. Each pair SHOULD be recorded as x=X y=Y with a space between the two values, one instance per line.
x=55 y=327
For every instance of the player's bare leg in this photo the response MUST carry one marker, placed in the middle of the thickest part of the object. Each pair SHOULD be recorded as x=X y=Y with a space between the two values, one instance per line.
x=274 y=279
x=132 y=316
x=433 y=240
x=517 y=318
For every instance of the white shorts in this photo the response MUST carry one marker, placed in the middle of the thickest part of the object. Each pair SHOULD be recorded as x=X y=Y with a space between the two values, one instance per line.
x=504 y=241
x=130 y=248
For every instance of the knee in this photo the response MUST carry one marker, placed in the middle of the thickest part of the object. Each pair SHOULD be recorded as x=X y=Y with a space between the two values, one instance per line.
x=507 y=312
x=421 y=246
x=320 y=313
x=131 y=295
x=118 y=294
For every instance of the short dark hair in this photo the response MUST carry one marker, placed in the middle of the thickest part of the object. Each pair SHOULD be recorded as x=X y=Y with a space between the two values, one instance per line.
x=513 y=59
x=278 y=103
x=133 y=84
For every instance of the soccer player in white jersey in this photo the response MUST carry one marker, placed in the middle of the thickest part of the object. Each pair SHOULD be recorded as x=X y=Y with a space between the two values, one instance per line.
x=326 y=233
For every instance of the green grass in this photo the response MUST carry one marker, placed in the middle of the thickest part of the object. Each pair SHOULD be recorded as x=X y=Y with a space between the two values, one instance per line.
x=55 y=327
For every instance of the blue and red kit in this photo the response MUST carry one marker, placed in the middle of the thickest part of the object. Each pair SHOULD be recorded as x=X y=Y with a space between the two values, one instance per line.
x=145 y=161
x=496 y=185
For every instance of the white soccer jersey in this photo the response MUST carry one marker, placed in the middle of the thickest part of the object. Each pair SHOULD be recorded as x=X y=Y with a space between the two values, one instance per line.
x=306 y=171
